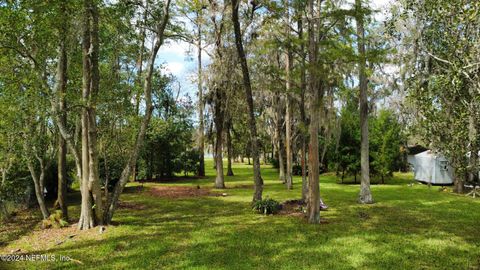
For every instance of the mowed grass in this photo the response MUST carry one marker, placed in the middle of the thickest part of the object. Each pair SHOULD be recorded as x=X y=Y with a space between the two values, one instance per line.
x=407 y=228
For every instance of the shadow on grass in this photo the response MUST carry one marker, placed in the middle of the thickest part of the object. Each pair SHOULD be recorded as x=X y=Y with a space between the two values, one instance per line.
x=19 y=225
x=408 y=228
x=211 y=233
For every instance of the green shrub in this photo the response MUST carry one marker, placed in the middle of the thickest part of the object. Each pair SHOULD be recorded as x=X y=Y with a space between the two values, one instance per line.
x=267 y=206
x=297 y=169
x=274 y=162
x=55 y=220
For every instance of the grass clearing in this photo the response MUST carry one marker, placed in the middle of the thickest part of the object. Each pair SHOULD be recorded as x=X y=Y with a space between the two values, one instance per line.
x=407 y=228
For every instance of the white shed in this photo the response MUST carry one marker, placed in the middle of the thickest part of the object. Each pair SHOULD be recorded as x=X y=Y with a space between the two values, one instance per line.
x=431 y=168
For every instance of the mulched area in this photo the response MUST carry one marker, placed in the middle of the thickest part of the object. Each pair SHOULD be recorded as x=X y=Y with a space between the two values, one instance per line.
x=172 y=179
x=241 y=186
x=296 y=208
x=293 y=208
x=131 y=205
x=181 y=192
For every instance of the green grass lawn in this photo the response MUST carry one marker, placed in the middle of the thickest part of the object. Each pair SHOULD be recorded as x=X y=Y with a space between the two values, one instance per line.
x=407 y=228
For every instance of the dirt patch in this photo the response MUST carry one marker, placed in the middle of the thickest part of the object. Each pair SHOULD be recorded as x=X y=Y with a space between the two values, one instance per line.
x=171 y=179
x=181 y=192
x=243 y=186
x=133 y=189
x=296 y=208
x=130 y=205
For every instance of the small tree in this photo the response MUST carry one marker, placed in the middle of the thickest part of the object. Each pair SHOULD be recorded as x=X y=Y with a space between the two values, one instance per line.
x=386 y=138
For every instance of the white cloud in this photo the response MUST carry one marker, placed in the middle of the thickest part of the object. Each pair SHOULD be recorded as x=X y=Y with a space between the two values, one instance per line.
x=176 y=68
x=383 y=7
x=174 y=48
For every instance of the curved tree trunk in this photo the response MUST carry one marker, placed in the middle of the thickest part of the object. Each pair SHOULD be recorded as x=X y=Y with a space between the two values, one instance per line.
x=127 y=170
x=257 y=178
x=62 y=143
x=139 y=67
x=38 y=182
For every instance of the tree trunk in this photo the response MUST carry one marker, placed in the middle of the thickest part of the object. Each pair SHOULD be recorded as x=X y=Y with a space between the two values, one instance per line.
x=62 y=143
x=288 y=145
x=472 y=137
x=219 y=179
x=365 y=195
x=201 y=136
x=86 y=216
x=90 y=185
x=313 y=201
x=112 y=204
x=313 y=196
x=214 y=147
x=288 y=113
x=62 y=178
x=58 y=108
x=107 y=174
x=139 y=67
x=304 y=170
x=4 y=177
x=459 y=185
x=303 y=87
x=251 y=111
x=94 y=180
x=38 y=183
x=279 y=138
x=41 y=203
x=229 y=148
x=219 y=119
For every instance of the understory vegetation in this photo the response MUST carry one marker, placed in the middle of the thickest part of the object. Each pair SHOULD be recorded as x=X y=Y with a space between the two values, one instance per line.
x=409 y=228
